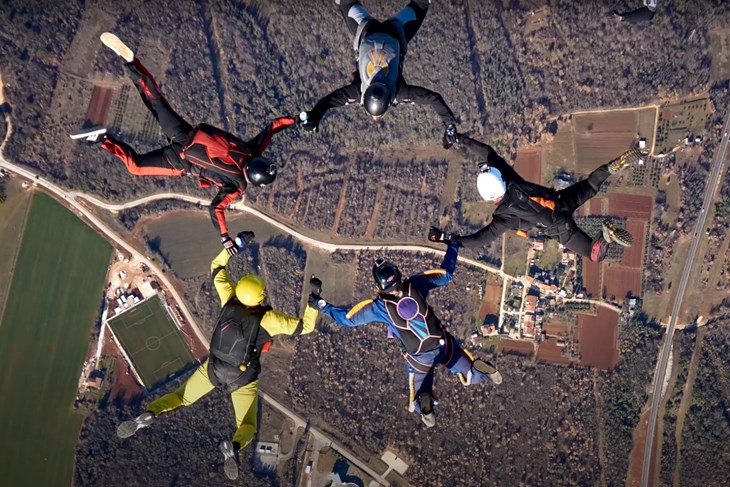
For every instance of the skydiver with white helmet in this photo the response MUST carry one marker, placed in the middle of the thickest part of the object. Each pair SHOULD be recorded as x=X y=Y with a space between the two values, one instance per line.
x=523 y=206
x=639 y=15
x=244 y=330
x=401 y=305
x=378 y=82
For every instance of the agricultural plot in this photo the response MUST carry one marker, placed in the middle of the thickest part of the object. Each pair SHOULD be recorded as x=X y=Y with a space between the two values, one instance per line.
x=630 y=206
x=54 y=301
x=529 y=165
x=633 y=255
x=13 y=214
x=520 y=347
x=550 y=351
x=152 y=342
x=597 y=336
x=619 y=281
x=592 y=277
x=490 y=303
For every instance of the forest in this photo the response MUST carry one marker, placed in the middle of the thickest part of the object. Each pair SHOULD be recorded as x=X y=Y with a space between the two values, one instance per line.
x=238 y=65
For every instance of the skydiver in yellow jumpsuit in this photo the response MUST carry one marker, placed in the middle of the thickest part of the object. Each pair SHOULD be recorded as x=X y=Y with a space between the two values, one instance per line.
x=244 y=328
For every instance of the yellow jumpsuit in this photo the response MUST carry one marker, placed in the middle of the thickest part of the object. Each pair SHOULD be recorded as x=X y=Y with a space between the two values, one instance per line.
x=245 y=404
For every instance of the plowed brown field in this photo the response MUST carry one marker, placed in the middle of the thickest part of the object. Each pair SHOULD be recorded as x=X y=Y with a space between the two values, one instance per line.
x=619 y=281
x=597 y=337
x=630 y=205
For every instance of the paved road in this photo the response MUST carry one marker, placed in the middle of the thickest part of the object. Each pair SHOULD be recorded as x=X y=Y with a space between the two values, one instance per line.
x=712 y=184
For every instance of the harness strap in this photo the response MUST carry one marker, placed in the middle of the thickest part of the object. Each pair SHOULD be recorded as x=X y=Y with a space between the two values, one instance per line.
x=544 y=202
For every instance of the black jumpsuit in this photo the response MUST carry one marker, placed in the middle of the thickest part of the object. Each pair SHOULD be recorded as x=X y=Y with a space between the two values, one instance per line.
x=527 y=205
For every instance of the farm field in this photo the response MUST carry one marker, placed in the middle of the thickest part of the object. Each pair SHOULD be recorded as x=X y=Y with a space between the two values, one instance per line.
x=618 y=281
x=188 y=242
x=13 y=214
x=521 y=347
x=54 y=301
x=490 y=303
x=152 y=342
x=633 y=255
x=630 y=206
x=549 y=351
x=597 y=337
x=529 y=165
x=556 y=328
x=592 y=277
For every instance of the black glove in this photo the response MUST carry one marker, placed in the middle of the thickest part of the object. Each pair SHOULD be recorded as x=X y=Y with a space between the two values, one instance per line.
x=315 y=300
x=451 y=136
x=308 y=122
x=229 y=244
x=315 y=285
x=244 y=238
x=438 y=235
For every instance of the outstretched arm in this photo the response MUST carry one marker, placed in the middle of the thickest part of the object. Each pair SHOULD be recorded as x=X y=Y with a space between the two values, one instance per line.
x=365 y=312
x=221 y=279
x=485 y=152
x=262 y=140
x=346 y=95
x=422 y=96
x=486 y=235
x=277 y=323
x=225 y=197
x=427 y=280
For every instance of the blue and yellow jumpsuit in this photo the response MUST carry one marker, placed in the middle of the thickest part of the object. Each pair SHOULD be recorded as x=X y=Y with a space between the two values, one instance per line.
x=431 y=346
x=244 y=398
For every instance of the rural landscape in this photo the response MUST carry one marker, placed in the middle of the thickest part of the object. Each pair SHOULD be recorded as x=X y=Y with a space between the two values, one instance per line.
x=614 y=373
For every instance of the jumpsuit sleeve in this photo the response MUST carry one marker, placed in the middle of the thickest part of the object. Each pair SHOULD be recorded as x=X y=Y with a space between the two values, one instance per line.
x=346 y=95
x=262 y=140
x=423 y=96
x=486 y=235
x=368 y=311
x=277 y=323
x=221 y=279
x=427 y=280
x=226 y=195
x=485 y=152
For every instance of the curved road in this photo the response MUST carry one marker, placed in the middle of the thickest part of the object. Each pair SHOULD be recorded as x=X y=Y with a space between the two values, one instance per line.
x=712 y=184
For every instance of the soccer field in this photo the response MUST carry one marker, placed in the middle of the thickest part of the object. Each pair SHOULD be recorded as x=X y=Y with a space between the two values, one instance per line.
x=152 y=342
x=54 y=299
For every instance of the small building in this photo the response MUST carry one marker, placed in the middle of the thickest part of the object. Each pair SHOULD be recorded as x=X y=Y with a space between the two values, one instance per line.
x=530 y=304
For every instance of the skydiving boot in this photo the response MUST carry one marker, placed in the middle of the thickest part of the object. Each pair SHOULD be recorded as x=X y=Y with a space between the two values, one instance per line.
x=611 y=233
x=631 y=157
x=112 y=42
x=425 y=401
x=486 y=368
x=129 y=428
x=92 y=135
x=230 y=464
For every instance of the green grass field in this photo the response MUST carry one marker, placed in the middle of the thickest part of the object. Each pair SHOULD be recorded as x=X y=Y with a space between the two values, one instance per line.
x=53 y=303
x=152 y=342
x=13 y=214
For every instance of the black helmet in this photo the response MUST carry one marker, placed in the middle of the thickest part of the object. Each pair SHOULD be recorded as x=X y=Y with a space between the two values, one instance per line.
x=260 y=171
x=386 y=275
x=377 y=99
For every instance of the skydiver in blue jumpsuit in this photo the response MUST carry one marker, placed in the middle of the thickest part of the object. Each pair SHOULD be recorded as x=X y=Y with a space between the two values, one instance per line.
x=401 y=305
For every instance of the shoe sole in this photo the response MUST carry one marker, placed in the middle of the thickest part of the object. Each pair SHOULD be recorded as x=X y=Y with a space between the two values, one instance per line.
x=230 y=466
x=127 y=429
x=115 y=44
x=88 y=132
x=616 y=235
x=489 y=370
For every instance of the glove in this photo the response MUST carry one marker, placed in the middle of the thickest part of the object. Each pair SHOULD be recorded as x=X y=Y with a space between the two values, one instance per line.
x=315 y=284
x=451 y=137
x=316 y=301
x=229 y=245
x=244 y=238
x=308 y=122
x=438 y=235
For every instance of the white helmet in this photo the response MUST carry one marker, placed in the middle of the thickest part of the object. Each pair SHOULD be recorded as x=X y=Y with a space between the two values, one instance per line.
x=490 y=184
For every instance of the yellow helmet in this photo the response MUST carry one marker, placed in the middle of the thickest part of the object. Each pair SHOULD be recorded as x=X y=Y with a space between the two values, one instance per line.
x=250 y=290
